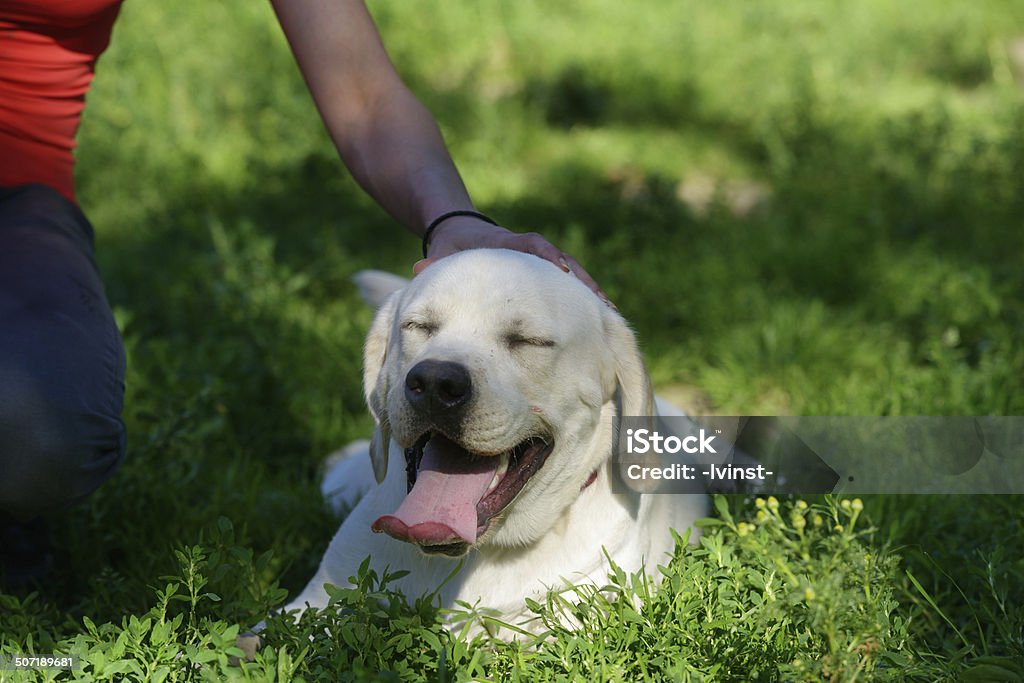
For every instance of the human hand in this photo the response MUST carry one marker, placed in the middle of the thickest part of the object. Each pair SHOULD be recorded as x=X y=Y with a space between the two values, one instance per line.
x=465 y=232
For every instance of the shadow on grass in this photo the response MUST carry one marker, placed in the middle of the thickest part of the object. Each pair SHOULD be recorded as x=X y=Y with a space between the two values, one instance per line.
x=245 y=331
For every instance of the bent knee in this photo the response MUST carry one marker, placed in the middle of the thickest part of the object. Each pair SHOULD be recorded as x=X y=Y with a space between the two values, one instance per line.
x=52 y=455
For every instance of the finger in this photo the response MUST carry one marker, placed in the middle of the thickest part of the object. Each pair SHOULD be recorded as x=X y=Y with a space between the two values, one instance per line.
x=421 y=265
x=535 y=244
x=583 y=276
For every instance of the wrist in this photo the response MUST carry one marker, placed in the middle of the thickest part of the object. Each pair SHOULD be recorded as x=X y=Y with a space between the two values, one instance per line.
x=447 y=218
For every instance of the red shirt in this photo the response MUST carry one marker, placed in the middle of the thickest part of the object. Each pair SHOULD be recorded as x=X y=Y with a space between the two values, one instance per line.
x=48 y=50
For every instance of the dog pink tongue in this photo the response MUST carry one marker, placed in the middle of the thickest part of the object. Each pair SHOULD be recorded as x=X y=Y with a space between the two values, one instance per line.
x=441 y=508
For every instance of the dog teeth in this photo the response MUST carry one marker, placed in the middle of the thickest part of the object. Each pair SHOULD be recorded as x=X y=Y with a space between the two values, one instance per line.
x=502 y=469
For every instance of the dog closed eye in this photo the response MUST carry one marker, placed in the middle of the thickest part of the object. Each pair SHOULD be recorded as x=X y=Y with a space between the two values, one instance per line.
x=426 y=327
x=516 y=340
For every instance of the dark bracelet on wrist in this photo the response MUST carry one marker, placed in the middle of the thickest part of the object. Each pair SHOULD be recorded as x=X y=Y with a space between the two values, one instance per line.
x=445 y=216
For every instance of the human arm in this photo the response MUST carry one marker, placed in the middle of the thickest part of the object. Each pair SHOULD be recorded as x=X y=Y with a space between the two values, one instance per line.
x=385 y=136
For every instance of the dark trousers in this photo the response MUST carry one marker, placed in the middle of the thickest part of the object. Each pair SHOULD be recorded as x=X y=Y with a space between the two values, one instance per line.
x=62 y=362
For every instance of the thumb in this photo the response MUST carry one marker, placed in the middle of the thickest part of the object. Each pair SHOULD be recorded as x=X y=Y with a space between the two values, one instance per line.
x=420 y=265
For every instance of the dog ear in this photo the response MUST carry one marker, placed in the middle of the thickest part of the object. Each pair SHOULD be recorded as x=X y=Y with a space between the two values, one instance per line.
x=376 y=286
x=375 y=382
x=636 y=396
x=379 y=447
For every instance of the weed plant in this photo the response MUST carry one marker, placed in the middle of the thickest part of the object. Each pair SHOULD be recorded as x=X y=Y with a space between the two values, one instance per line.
x=803 y=208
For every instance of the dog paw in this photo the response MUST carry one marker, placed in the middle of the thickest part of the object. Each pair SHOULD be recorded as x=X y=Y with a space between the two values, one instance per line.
x=248 y=643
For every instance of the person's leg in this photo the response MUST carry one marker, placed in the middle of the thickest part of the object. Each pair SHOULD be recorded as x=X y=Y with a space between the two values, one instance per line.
x=61 y=358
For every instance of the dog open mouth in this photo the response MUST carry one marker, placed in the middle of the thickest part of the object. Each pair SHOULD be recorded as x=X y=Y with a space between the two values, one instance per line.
x=455 y=494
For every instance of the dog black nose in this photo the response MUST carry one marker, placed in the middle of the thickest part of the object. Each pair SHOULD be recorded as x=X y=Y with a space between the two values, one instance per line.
x=437 y=388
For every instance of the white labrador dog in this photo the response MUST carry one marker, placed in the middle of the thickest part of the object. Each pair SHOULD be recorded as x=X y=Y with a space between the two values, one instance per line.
x=495 y=380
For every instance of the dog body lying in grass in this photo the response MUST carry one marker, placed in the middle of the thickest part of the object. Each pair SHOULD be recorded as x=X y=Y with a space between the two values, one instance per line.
x=495 y=380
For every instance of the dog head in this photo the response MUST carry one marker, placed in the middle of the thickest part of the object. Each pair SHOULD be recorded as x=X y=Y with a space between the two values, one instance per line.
x=498 y=375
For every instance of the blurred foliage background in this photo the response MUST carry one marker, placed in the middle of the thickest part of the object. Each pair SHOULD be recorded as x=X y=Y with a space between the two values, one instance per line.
x=804 y=207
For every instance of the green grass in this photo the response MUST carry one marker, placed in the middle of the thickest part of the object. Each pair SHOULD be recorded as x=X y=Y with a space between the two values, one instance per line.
x=880 y=273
